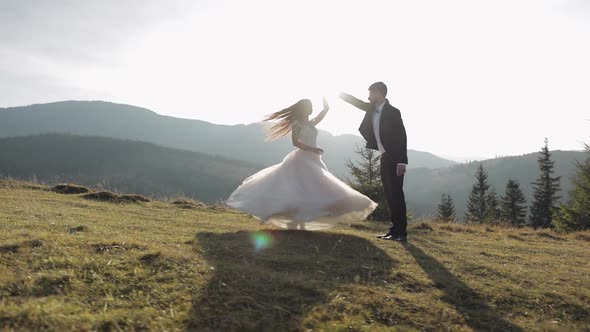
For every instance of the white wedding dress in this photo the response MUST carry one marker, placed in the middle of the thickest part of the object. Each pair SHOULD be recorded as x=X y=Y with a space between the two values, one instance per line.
x=299 y=192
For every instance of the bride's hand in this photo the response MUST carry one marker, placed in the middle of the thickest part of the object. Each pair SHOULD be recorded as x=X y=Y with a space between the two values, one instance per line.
x=325 y=101
x=319 y=151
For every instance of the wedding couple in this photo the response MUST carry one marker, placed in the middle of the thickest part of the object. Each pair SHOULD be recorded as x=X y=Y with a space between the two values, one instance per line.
x=300 y=193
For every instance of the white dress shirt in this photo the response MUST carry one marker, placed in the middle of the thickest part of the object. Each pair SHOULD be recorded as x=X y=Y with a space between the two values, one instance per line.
x=376 y=121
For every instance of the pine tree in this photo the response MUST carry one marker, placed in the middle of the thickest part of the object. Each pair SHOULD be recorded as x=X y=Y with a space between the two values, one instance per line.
x=366 y=179
x=492 y=205
x=575 y=216
x=513 y=204
x=446 y=208
x=366 y=171
x=545 y=191
x=476 y=205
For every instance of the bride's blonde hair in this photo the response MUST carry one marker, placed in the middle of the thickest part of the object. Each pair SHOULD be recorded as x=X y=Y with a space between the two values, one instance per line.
x=285 y=119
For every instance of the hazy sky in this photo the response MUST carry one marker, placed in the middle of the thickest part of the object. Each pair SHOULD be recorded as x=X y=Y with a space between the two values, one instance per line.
x=472 y=78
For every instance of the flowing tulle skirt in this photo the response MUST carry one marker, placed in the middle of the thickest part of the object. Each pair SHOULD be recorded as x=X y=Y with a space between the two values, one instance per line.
x=300 y=193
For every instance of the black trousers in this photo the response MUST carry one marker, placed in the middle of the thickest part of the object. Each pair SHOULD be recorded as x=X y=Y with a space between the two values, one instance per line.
x=394 y=192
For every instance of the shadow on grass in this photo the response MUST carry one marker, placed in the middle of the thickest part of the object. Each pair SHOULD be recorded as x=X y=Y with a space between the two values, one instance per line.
x=478 y=314
x=269 y=281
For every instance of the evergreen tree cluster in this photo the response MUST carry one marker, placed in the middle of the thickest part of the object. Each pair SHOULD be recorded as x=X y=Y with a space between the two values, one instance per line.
x=575 y=215
x=484 y=205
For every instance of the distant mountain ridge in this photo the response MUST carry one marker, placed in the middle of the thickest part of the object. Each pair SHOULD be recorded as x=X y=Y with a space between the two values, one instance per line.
x=243 y=142
x=121 y=165
x=241 y=151
x=139 y=167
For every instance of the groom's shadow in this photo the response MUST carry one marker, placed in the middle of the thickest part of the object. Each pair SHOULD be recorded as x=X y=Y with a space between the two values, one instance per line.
x=476 y=311
x=269 y=281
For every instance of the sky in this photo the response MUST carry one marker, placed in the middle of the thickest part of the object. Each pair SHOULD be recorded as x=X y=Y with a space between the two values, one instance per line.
x=473 y=79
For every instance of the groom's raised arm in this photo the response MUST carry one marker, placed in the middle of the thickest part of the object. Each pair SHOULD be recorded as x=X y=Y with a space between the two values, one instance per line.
x=355 y=101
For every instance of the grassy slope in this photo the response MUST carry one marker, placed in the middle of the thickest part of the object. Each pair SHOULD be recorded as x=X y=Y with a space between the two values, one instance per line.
x=71 y=264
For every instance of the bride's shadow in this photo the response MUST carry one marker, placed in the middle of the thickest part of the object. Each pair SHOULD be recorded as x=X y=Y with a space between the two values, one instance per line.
x=269 y=281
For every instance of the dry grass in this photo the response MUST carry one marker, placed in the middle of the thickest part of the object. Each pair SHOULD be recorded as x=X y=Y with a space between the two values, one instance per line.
x=72 y=264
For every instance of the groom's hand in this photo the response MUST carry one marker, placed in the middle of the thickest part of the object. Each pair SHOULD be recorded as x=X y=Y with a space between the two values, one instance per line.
x=401 y=169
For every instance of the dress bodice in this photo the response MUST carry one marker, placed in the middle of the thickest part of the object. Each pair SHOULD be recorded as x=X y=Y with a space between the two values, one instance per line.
x=307 y=133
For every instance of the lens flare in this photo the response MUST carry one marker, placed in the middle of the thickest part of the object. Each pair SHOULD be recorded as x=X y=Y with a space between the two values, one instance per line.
x=261 y=240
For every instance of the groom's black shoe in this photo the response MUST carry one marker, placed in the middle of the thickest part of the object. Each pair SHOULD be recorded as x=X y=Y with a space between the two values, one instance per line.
x=386 y=236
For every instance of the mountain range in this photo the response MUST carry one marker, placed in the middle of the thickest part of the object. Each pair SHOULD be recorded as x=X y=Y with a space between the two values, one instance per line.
x=121 y=166
x=242 y=142
x=132 y=149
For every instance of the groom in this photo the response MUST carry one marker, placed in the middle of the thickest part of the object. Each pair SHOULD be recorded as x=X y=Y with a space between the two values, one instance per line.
x=384 y=130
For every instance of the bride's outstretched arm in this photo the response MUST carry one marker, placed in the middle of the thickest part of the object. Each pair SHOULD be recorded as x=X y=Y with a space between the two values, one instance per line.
x=323 y=113
x=355 y=102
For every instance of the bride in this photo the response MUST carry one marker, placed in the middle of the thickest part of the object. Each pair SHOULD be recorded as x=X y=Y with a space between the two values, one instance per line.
x=299 y=192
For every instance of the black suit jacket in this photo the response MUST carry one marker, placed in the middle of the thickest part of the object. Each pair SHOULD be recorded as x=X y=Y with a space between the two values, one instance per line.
x=391 y=129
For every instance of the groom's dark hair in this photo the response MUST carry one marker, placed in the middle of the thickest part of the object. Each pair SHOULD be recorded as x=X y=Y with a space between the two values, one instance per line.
x=380 y=87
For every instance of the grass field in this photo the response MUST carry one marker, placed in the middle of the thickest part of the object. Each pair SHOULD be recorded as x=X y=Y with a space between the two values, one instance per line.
x=68 y=263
